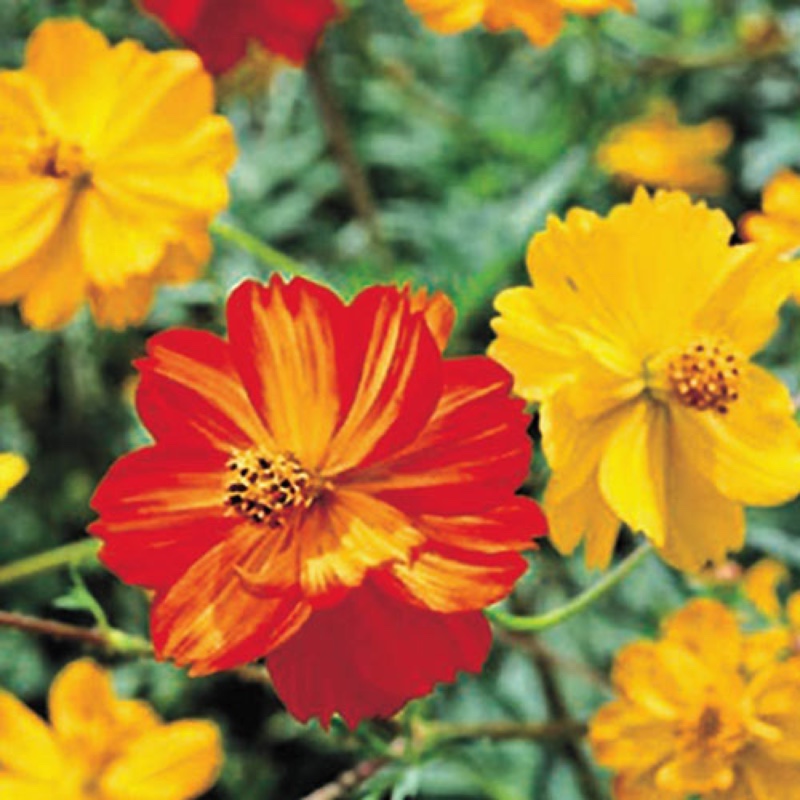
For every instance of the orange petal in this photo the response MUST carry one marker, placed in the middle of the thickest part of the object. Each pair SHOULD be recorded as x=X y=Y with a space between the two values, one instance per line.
x=439 y=312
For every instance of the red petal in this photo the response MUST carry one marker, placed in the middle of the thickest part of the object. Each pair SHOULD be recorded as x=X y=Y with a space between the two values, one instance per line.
x=190 y=393
x=220 y=30
x=472 y=455
x=372 y=653
x=160 y=511
x=439 y=312
x=210 y=621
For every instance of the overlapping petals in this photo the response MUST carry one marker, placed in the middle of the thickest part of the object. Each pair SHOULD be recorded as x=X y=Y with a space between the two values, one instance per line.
x=636 y=340
x=222 y=31
x=321 y=471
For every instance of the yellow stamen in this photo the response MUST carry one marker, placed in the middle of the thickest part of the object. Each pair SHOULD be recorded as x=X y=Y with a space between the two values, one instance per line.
x=706 y=376
x=56 y=159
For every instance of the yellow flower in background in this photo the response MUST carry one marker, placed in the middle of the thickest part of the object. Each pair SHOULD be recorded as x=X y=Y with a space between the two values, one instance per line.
x=690 y=721
x=657 y=151
x=98 y=747
x=782 y=636
x=113 y=165
x=13 y=469
x=540 y=20
x=636 y=338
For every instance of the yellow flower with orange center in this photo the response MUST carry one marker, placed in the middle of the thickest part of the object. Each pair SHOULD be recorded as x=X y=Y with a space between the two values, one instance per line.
x=656 y=150
x=636 y=338
x=540 y=20
x=690 y=721
x=99 y=747
x=13 y=469
x=113 y=166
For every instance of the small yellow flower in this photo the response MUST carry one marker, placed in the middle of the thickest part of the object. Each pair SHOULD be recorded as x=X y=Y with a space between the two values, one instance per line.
x=99 y=747
x=113 y=165
x=13 y=469
x=540 y=20
x=656 y=150
x=690 y=721
x=636 y=338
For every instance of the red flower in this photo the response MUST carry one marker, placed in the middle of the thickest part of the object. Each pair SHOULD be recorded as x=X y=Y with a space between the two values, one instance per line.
x=221 y=30
x=325 y=490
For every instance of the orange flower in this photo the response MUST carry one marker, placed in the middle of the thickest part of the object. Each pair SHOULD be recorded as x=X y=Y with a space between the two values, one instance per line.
x=540 y=20
x=113 y=166
x=657 y=151
x=99 y=747
x=325 y=490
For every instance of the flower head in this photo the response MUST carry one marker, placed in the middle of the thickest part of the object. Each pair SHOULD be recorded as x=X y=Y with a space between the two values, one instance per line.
x=636 y=338
x=13 y=469
x=690 y=721
x=98 y=747
x=540 y=20
x=114 y=164
x=325 y=490
x=656 y=150
x=221 y=31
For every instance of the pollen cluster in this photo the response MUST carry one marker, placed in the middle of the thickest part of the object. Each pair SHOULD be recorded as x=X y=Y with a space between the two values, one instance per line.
x=55 y=159
x=266 y=488
x=705 y=376
x=716 y=730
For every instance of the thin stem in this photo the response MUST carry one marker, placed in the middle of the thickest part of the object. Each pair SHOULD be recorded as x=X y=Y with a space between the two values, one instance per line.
x=555 y=617
x=270 y=257
x=349 y=780
x=556 y=730
x=68 y=555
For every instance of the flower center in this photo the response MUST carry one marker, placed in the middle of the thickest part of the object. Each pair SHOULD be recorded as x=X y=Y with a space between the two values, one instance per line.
x=266 y=489
x=714 y=730
x=56 y=159
x=706 y=376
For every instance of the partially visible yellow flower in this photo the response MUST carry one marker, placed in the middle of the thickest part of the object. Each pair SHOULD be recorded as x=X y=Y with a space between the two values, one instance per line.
x=540 y=20
x=657 y=151
x=98 y=747
x=254 y=75
x=13 y=469
x=691 y=721
x=760 y=586
x=113 y=165
x=636 y=338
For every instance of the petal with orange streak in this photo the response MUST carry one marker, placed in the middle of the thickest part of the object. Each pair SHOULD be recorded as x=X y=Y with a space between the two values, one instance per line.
x=439 y=312
x=451 y=580
x=472 y=455
x=399 y=371
x=210 y=621
x=372 y=653
x=160 y=510
x=190 y=393
x=291 y=345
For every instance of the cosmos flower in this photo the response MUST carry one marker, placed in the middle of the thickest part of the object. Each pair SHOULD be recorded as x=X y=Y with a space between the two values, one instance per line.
x=636 y=338
x=13 y=469
x=98 y=747
x=113 y=166
x=540 y=20
x=656 y=150
x=689 y=721
x=221 y=31
x=324 y=490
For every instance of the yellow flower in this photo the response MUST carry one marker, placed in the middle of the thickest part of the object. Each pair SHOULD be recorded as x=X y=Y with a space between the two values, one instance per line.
x=760 y=585
x=636 y=339
x=13 y=469
x=689 y=721
x=540 y=20
x=99 y=747
x=656 y=150
x=113 y=165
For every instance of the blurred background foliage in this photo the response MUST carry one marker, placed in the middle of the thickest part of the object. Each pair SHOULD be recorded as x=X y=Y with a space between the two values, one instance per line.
x=468 y=143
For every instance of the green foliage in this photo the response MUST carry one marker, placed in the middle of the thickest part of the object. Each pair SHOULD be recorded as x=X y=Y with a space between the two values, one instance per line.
x=468 y=143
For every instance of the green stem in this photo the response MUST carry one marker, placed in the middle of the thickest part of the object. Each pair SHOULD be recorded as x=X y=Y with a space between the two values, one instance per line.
x=68 y=555
x=270 y=257
x=550 y=619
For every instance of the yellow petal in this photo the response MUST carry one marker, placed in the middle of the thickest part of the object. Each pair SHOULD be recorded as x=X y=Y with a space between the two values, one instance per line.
x=16 y=788
x=540 y=20
x=13 y=469
x=761 y=583
x=28 y=749
x=174 y=762
x=449 y=16
x=752 y=453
